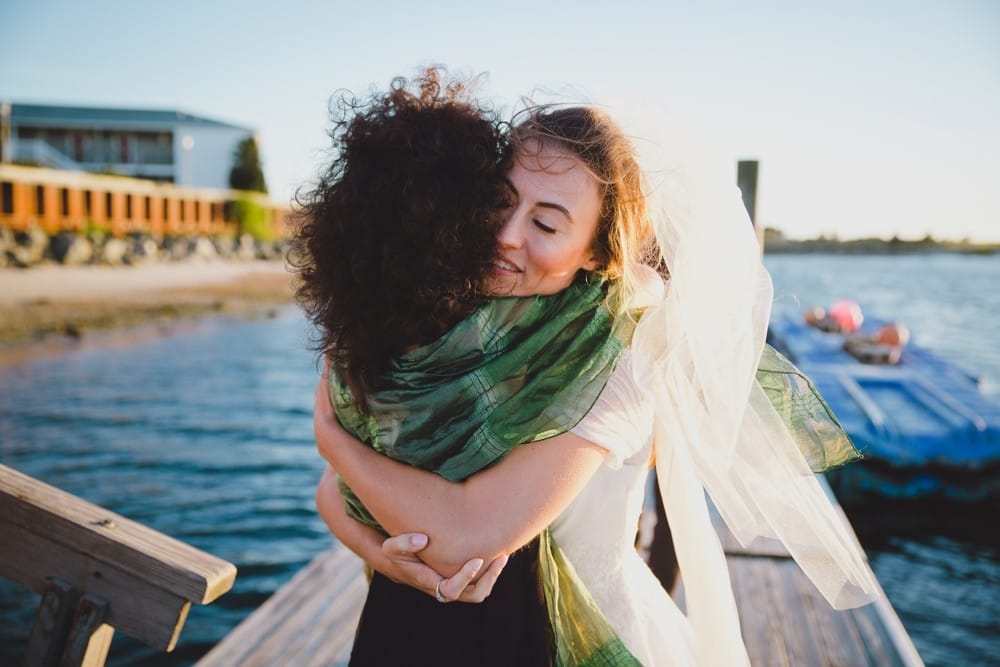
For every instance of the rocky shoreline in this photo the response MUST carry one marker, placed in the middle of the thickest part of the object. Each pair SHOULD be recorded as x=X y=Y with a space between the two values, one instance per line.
x=50 y=306
x=33 y=246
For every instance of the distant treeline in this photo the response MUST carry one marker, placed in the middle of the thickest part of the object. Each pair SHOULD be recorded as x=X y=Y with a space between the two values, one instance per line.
x=775 y=242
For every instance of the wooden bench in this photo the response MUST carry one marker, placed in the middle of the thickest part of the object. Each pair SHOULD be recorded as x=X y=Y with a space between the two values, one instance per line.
x=97 y=572
x=786 y=622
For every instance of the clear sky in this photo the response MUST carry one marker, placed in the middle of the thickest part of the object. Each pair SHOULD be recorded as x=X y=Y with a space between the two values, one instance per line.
x=869 y=118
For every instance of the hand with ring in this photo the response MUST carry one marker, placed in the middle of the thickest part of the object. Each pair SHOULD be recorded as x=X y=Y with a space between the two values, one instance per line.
x=466 y=585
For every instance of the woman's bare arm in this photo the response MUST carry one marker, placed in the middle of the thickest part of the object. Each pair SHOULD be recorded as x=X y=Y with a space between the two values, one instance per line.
x=396 y=557
x=494 y=512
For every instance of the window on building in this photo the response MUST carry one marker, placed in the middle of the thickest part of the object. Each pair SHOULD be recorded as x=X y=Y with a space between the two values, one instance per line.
x=149 y=208
x=40 y=199
x=128 y=207
x=64 y=200
x=182 y=206
x=166 y=209
x=197 y=210
x=88 y=203
x=107 y=205
x=7 y=197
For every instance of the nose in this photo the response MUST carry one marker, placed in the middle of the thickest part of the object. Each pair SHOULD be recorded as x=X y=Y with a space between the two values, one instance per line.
x=510 y=234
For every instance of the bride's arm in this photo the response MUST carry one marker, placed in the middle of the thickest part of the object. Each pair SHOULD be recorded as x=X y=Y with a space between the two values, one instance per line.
x=494 y=512
x=396 y=557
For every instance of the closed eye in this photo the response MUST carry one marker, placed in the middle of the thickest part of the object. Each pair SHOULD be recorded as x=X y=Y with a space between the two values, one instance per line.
x=542 y=226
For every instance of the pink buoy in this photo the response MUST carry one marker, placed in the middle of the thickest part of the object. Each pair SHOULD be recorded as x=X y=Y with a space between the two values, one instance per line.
x=847 y=314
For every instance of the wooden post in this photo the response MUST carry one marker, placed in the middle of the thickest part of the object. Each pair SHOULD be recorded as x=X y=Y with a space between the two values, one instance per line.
x=89 y=636
x=52 y=621
x=746 y=179
x=69 y=629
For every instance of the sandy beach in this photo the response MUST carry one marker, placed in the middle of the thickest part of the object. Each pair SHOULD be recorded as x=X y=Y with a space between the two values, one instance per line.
x=46 y=309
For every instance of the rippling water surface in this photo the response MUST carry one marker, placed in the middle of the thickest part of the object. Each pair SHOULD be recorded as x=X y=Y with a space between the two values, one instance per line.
x=206 y=435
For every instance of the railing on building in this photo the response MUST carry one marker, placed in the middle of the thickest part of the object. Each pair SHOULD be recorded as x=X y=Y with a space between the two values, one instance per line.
x=61 y=200
x=41 y=152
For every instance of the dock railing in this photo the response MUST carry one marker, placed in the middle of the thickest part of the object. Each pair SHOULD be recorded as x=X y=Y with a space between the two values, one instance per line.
x=97 y=572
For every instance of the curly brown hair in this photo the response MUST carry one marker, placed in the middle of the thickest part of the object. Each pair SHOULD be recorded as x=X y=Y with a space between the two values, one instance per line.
x=394 y=241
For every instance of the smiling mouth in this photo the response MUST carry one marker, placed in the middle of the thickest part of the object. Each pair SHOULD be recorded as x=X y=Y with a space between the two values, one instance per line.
x=504 y=265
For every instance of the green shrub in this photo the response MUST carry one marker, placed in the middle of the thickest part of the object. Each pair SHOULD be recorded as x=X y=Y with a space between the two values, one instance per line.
x=251 y=217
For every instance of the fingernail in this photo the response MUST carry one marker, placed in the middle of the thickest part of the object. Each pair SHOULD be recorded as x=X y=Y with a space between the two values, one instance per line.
x=476 y=564
x=503 y=560
x=418 y=540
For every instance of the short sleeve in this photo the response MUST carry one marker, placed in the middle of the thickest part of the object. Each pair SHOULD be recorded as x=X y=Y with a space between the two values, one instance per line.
x=621 y=420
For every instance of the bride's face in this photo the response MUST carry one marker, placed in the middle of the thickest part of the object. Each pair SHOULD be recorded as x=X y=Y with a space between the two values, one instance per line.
x=549 y=232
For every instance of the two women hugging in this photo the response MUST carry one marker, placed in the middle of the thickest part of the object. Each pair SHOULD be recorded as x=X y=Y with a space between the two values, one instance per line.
x=517 y=320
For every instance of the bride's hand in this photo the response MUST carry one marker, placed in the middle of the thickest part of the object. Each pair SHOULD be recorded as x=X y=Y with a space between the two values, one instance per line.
x=463 y=586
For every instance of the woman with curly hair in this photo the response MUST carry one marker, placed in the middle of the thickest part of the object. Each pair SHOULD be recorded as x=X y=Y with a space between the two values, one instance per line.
x=530 y=421
x=394 y=245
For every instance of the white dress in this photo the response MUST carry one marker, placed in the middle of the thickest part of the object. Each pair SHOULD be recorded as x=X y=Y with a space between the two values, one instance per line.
x=597 y=531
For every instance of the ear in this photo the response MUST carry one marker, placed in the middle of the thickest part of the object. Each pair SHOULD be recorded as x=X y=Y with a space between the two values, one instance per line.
x=591 y=264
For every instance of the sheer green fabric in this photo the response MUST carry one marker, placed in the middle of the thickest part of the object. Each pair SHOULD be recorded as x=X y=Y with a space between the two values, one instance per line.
x=815 y=429
x=582 y=636
x=518 y=370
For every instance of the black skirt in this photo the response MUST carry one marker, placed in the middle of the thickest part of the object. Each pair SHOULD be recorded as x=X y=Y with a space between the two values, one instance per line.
x=403 y=626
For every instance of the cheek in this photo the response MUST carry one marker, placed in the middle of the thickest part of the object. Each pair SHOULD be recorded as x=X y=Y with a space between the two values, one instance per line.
x=557 y=259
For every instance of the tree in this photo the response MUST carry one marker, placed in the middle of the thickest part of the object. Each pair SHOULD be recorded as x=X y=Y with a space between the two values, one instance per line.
x=246 y=173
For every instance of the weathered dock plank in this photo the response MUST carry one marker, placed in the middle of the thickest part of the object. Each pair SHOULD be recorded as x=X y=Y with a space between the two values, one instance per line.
x=786 y=622
x=308 y=622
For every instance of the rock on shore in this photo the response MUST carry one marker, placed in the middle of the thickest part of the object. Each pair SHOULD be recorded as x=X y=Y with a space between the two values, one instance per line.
x=31 y=247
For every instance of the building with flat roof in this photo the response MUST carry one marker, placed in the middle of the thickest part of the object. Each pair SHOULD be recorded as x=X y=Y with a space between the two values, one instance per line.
x=161 y=145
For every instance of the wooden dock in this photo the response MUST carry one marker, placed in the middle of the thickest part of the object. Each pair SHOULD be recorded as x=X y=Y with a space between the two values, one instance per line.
x=786 y=622
x=308 y=622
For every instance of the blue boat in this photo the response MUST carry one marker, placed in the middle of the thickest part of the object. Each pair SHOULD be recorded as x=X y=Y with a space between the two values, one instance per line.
x=924 y=427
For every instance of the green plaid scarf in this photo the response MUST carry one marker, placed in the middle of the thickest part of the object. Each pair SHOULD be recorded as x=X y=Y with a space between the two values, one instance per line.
x=522 y=369
x=518 y=370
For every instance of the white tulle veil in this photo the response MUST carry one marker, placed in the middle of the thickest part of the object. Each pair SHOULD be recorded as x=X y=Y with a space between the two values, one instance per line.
x=696 y=349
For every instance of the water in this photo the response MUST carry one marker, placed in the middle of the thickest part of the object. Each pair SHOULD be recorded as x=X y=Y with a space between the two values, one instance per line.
x=939 y=565
x=206 y=436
